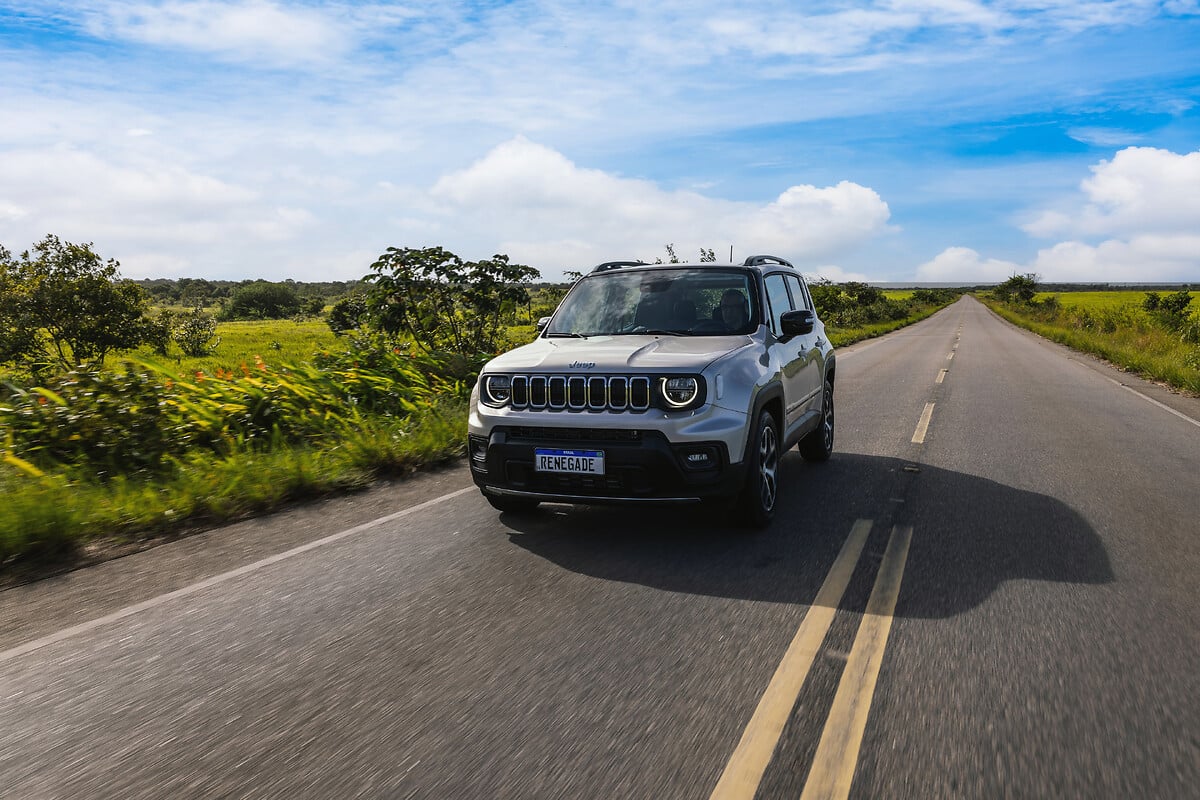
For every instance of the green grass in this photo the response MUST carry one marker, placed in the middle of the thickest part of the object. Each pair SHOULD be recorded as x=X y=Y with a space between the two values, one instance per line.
x=1097 y=301
x=275 y=341
x=840 y=337
x=46 y=519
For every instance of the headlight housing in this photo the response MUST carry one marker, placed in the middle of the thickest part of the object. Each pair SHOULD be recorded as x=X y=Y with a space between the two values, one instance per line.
x=495 y=390
x=679 y=391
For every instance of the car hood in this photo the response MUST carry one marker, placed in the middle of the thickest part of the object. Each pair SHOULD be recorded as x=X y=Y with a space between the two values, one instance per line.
x=617 y=353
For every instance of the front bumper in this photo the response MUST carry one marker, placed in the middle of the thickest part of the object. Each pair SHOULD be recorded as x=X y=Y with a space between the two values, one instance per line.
x=640 y=466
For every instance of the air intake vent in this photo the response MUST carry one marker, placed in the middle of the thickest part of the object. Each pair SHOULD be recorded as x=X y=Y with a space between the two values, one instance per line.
x=579 y=393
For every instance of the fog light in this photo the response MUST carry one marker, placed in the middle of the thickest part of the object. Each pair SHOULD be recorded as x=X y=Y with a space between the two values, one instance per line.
x=478 y=446
x=698 y=458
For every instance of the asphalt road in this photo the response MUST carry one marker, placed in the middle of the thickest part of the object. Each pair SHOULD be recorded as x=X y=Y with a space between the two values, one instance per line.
x=989 y=591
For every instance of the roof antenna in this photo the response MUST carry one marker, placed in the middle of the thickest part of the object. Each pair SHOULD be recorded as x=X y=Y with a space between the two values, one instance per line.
x=730 y=254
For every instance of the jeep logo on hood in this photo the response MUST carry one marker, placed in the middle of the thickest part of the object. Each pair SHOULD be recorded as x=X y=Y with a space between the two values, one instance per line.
x=581 y=365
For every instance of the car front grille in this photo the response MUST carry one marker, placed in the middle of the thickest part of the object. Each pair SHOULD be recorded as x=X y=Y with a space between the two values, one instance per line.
x=580 y=393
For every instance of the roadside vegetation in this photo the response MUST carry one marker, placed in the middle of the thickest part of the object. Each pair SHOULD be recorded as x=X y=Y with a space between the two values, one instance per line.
x=156 y=407
x=855 y=311
x=1155 y=334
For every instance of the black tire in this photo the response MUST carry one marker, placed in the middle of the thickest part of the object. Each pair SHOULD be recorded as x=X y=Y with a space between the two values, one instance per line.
x=512 y=505
x=818 y=445
x=757 y=505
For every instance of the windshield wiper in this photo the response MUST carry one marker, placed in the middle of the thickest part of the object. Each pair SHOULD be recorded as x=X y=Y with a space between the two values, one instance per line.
x=654 y=332
x=567 y=334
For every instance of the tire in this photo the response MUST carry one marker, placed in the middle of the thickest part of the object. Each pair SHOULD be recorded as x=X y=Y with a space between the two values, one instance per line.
x=512 y=505
x=759 y=497
x=818 y=445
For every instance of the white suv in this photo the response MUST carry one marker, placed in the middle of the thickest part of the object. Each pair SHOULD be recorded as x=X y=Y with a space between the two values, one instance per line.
x=659 y=383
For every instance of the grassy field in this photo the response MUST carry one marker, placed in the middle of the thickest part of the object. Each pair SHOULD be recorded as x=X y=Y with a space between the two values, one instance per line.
x=274 y=341
x=1114 y=326
x=1100 y=301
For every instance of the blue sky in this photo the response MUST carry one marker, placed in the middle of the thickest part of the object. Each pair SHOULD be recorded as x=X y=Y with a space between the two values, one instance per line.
x=911 y=140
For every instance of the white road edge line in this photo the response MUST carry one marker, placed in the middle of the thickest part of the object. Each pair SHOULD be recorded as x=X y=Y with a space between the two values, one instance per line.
x=923 y=424
x=1148 y=399
x=129 y=611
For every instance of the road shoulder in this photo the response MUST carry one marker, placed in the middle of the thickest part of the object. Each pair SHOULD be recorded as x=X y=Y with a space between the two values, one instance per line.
x=35 y=609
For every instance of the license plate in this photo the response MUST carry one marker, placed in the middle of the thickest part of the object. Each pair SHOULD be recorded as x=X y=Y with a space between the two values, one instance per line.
x=586 y=462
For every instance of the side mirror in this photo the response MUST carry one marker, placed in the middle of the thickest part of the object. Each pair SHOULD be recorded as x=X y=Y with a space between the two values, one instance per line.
x=797 y=323
x=542 y=323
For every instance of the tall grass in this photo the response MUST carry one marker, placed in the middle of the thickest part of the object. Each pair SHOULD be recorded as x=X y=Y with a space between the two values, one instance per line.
x=47 y=517
x=137 y=450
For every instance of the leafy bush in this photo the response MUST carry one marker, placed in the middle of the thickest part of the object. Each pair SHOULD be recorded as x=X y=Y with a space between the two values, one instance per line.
x=195 y=333
x=157 y=331
x=109 y=422
x=139 y=418
x=348 y=313
x=263 y=300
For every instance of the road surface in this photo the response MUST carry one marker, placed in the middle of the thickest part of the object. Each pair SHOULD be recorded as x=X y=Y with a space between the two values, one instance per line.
x=989 y=591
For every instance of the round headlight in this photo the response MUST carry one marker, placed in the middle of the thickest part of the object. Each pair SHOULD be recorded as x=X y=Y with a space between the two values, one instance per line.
x=497 y=390
x=679 y=392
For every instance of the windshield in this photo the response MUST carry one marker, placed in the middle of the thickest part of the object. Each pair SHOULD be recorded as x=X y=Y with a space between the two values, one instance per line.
x=683 y=302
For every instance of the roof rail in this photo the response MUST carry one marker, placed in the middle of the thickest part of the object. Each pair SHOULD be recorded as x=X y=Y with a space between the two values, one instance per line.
x=607 y=265
x=758 y=261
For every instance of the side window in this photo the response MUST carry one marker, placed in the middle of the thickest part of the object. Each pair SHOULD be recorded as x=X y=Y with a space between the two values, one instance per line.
x=799 y=292
x=777 y=296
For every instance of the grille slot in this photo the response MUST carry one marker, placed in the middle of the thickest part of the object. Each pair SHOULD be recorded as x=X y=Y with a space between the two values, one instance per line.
x=579 y=393
x=574 y=434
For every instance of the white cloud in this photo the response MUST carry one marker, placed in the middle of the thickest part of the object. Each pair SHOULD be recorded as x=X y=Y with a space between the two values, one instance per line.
x=962 y=264
x=251 y=30
x=1137 y=218
x=542 y=208
x=832 y=272
x=1141 y=190
x=1144 y=208
x=1149 y=257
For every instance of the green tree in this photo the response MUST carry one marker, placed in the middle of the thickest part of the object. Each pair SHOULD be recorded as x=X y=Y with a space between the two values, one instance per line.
x=443 y=302
x=66 y=305
x=263 y=300
x=157 y=331
x=827 y=297
x=1019 y=288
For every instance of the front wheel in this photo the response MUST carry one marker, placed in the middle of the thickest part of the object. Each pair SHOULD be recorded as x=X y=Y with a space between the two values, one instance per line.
x=818 y=445
x=513 y=505
x=757 y=505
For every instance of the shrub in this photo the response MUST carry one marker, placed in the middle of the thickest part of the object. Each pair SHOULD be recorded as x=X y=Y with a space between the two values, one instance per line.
x=347 y=314
x=195 y=333
x=263 y=300
x=108 y=421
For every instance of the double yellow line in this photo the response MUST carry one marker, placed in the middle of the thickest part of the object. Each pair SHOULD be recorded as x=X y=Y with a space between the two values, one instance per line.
x=837 y=754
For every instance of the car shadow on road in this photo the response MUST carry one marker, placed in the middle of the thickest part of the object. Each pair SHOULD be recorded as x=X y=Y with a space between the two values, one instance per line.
x=970 y=535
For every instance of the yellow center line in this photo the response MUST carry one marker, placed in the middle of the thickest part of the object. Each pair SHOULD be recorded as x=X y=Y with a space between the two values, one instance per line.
x=745 y=769
x=837 y=754
x=923 y=424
